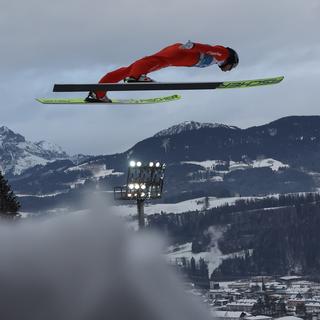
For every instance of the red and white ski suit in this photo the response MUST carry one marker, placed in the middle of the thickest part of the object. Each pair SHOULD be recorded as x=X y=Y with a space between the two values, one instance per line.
x=176 y=55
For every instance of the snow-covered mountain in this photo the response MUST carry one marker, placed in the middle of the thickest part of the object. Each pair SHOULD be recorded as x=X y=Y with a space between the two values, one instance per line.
x=18 y=154
x=190 y=126
x=202 y=160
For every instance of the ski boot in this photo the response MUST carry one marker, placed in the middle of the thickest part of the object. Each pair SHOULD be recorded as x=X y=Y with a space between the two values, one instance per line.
x=142 y=78
x=92 y=97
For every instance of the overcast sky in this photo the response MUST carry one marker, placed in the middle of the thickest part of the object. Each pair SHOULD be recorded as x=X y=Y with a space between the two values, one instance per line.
x=77 y=41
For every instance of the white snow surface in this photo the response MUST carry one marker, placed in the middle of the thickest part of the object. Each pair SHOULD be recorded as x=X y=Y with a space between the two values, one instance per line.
x=290 y=277
x=49 y=146
x=28 y=160
x=97 y=170
x=184 y=206
x=21 y=195
x=107 y=172
x=275 y=165
x=207 y=164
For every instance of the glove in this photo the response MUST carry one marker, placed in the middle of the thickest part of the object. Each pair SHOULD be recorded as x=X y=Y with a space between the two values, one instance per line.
x=187 y=45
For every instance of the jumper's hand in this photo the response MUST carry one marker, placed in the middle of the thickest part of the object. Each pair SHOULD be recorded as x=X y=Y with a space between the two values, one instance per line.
x=187 y=45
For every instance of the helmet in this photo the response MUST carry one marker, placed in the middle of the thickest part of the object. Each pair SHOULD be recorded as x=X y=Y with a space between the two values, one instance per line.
x=232 y=60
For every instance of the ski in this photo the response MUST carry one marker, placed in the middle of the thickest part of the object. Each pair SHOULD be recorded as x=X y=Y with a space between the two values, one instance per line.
x=114 y=101
x=137 y=86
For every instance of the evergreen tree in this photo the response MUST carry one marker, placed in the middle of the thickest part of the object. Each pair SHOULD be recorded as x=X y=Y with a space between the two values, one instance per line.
x=263 y=288
x=203 y=268
x=206 y=203
x=193 y=265
x=9 y=205
x=258 y=307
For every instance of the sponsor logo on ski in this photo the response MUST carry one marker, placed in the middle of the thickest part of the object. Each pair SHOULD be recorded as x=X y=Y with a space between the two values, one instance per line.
x=249 y=83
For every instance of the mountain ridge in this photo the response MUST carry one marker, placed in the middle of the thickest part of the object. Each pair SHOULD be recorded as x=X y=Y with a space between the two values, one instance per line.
x=189 y=126
x=215 y=160
x=18 y=154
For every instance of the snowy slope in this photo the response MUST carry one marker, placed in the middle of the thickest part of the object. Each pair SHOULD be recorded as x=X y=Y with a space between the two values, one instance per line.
x=206 y=164
x=273 y=164
x=97 y=171
x=180 y=207
x=214 y=257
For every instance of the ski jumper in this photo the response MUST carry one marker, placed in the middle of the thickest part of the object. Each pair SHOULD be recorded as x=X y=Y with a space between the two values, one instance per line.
x=176 y=55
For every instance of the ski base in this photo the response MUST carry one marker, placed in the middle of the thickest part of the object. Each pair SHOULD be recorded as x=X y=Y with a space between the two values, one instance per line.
x=114 y=101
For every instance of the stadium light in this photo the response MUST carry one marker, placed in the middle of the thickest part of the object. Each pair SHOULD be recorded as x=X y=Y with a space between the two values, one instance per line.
x=144 y=182
x=132 y=163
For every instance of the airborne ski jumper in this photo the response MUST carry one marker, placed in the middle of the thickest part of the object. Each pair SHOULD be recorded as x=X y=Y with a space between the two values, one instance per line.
x=190 y=54
x=135 y=76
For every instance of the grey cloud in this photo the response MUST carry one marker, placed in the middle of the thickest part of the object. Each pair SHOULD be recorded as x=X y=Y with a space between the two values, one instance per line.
x=43 y=42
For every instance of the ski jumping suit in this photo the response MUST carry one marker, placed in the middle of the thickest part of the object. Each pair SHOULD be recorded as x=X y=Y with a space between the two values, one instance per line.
x=176 y=55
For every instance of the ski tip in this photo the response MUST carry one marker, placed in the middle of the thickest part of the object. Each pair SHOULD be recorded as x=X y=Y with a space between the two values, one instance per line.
x=280 y=78
x=250 y=83
x=39 y=100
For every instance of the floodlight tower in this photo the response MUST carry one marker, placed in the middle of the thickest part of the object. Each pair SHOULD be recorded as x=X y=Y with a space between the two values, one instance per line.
x=144 y=182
